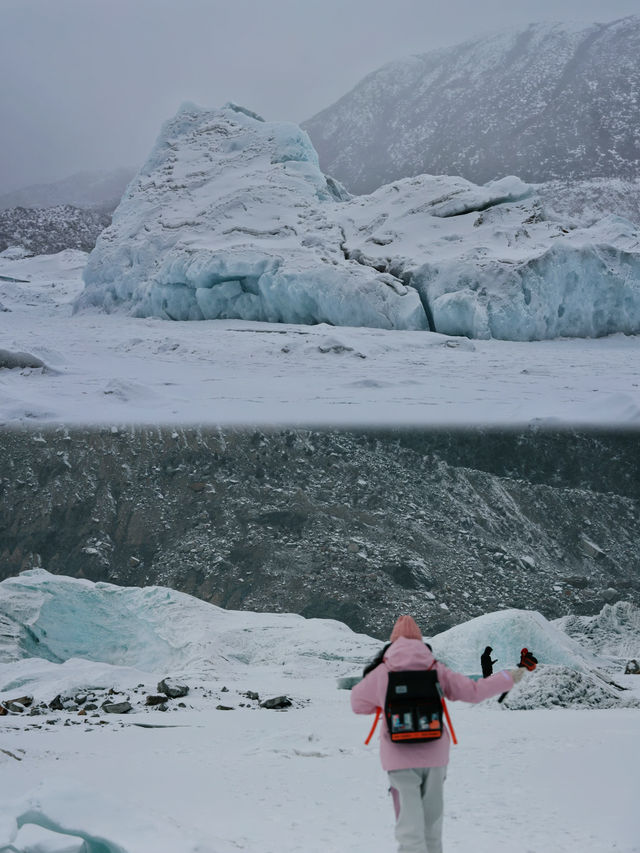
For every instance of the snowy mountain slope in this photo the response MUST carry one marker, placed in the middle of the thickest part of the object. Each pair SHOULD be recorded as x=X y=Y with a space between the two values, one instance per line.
x=552 y=101
x=231 y=218
x=584 y=202
x=101 y=189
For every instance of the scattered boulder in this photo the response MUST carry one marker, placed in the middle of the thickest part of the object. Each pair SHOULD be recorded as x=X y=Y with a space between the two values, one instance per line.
x=347 y=682
x=25 y=701
x=632 y=667
x=56 y=703
x=116 y=707
x=14 y=707
x=223 y=708
x=610 y=595
x=155 y=700
x=11 y=360
x=590 y=549
x=15 y=253
x=3 y=711
x=172 y=688
x=251 y=695
x=578 y=581
x=277 y=703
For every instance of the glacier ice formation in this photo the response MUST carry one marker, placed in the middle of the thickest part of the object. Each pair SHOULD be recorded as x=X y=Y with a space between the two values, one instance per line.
x=60 y=634
x=231 y=218
x=55 y=622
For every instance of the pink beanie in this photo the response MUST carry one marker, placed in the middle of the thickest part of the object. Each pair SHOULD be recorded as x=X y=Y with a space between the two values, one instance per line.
x=406 y=626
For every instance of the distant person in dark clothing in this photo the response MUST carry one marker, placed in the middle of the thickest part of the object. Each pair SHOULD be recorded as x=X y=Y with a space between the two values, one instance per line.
x=487 y=663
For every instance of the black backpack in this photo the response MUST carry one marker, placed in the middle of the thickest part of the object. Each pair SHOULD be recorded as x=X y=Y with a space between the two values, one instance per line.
x=413 y=706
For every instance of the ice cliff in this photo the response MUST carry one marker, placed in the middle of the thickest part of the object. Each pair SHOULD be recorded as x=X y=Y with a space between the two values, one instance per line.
x=57 y=621
x=497 y=261
x=231 y=217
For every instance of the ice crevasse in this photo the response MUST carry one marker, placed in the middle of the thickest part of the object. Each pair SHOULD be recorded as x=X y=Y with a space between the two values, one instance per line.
x=232 y=218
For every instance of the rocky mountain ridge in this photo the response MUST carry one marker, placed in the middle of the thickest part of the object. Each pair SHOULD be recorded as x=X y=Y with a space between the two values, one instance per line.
x=552 y=101
x=46 y=231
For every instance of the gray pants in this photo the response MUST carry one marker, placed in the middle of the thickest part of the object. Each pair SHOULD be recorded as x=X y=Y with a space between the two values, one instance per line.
x=418 y=801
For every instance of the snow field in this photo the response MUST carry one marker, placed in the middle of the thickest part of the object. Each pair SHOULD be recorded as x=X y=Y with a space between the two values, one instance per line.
x=114 y=369
x=202 y=780
x=302 y=780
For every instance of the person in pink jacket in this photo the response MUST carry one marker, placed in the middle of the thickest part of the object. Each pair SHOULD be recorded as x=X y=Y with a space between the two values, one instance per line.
x=417 y=771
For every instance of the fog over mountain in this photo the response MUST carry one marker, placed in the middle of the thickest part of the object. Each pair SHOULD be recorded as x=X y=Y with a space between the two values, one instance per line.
x=551 y=101
x=102 y=189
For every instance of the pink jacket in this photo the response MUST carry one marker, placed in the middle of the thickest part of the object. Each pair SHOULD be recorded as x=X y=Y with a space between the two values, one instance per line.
x=404 y=654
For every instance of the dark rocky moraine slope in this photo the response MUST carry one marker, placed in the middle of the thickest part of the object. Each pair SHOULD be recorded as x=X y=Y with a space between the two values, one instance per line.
x=357 y=526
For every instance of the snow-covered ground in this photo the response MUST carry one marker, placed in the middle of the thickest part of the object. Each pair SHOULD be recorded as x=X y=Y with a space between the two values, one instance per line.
x=110 y=369
x=201 y=779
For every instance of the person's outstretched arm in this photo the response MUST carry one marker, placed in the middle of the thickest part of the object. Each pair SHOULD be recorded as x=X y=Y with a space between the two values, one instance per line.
x=455 y=685
x=369 y=693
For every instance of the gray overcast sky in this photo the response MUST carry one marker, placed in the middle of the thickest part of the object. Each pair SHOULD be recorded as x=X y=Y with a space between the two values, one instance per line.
x=85 y=84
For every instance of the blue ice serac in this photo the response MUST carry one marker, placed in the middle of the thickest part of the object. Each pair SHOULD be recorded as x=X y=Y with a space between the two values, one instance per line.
x=231 y=217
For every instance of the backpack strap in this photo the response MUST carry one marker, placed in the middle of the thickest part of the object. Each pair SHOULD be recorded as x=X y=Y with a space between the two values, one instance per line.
x=373 y=727
x=445 y=710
